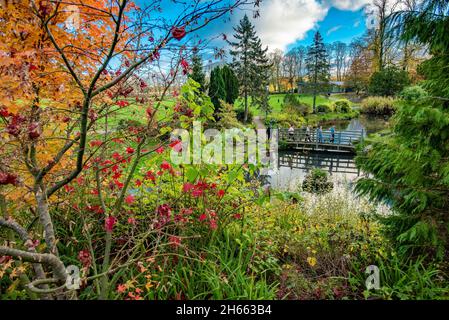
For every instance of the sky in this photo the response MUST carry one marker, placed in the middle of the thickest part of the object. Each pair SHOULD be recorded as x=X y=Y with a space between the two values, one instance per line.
x=284 y=24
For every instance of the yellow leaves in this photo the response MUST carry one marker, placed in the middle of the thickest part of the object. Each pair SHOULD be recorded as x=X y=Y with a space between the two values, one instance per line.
x=311 y=261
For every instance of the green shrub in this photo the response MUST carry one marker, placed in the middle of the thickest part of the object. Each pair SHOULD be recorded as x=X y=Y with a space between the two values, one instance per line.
x=324 y=108
x=293 y=103
x=413 y=93
x=317 y=181
x=379 y=106
x=343 y=106
x=388 y=82
x=285 y=120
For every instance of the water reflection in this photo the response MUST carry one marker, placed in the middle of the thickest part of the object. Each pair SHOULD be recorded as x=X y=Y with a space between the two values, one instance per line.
x=293 y=166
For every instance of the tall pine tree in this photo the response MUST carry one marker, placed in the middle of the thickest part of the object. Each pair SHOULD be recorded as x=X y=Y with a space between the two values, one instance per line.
x=216 y=88
x=250 y=63
x=318 y=69
x=197 y=71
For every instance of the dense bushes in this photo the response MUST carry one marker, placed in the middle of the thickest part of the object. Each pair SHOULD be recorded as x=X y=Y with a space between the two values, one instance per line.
x=342 y=106
x=379 y=106
x=388 y=82
x=413 y=93
x=317 y=181
x=324 y=108
x=285 y=120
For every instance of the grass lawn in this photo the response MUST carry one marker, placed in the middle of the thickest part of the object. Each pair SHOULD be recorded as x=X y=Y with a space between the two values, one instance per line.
x=276 y=101
x=137 y=112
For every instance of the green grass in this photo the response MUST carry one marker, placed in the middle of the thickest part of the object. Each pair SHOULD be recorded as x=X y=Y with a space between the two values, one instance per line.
x=276 y=102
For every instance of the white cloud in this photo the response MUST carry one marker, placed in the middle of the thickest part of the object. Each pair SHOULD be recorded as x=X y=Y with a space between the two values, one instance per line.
x=333 y=29
x=351 y=5
x=282 y=22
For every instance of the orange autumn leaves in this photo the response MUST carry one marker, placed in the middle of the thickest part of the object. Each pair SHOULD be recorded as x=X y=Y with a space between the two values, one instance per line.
x=37 y=84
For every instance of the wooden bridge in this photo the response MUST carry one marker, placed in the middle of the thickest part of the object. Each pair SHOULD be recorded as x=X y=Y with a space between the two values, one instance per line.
x=343 y=140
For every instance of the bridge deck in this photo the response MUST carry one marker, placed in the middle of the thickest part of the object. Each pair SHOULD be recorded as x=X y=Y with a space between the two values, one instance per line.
x=343 y=141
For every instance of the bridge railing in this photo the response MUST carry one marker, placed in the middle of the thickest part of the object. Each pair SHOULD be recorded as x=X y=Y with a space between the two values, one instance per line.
x=347 y=137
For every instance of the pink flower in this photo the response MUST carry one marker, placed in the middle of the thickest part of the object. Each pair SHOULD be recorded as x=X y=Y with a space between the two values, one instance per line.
x=220 y=193
x=109 y=223
x=164 y=210
x=129 y=150
x=202 y=217
x=132 y=220
x=121 y=288
x=187 y=187
x=213 y=224
x=197 y=193
x=138 y=183
x=130 y=199
x=165 y=165
x=160 y=150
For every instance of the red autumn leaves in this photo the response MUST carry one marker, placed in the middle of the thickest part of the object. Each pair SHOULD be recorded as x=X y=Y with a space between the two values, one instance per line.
x=178 y=32
x=8 y=178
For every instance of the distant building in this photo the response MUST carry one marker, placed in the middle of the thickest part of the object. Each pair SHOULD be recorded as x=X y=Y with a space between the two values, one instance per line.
x=331 y=87
x=207 y=68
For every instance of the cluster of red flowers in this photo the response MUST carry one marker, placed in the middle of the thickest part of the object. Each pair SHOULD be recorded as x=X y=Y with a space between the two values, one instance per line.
x=198 y=189
x=85 y=258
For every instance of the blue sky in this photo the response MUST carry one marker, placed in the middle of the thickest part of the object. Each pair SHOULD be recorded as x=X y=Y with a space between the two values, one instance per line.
x=339 y=25
x=284 y=24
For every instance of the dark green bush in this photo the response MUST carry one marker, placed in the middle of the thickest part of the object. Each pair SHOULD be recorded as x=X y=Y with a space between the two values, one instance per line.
x=317 y=181
x=343 y=106
x=324 y=108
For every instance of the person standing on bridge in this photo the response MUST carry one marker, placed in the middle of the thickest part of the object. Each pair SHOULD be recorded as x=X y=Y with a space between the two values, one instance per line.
x=332 y=134
x=291 y=132
x=308 y=134
x=319 y=132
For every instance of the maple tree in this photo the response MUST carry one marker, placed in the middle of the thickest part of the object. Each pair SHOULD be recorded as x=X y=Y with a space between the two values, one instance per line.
x=59 y=80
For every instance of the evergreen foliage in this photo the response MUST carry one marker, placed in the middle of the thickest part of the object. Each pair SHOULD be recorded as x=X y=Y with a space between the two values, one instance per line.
x=409 y=169
x=197 y=72
x=317 y=65
x=250 y=64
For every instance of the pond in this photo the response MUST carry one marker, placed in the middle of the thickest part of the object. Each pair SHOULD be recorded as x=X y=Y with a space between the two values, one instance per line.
x=294 y=165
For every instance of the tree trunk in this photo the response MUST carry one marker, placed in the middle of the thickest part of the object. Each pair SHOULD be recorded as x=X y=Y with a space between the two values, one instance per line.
x=46 y=221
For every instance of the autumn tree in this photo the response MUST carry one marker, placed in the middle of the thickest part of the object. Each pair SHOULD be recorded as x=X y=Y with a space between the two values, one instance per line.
x=66 y=65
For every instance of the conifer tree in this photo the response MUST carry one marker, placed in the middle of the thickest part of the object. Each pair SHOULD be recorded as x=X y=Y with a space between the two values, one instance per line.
x=216 y=88
x=250 y=63
x=197 y=71
x=231 y=84
x=317 y=65
x=409 y=169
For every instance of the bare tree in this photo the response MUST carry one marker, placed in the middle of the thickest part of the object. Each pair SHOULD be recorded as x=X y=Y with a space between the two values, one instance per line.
x=276 y=68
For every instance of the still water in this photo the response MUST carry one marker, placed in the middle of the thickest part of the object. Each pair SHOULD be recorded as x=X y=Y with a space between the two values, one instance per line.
x=293 y=166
